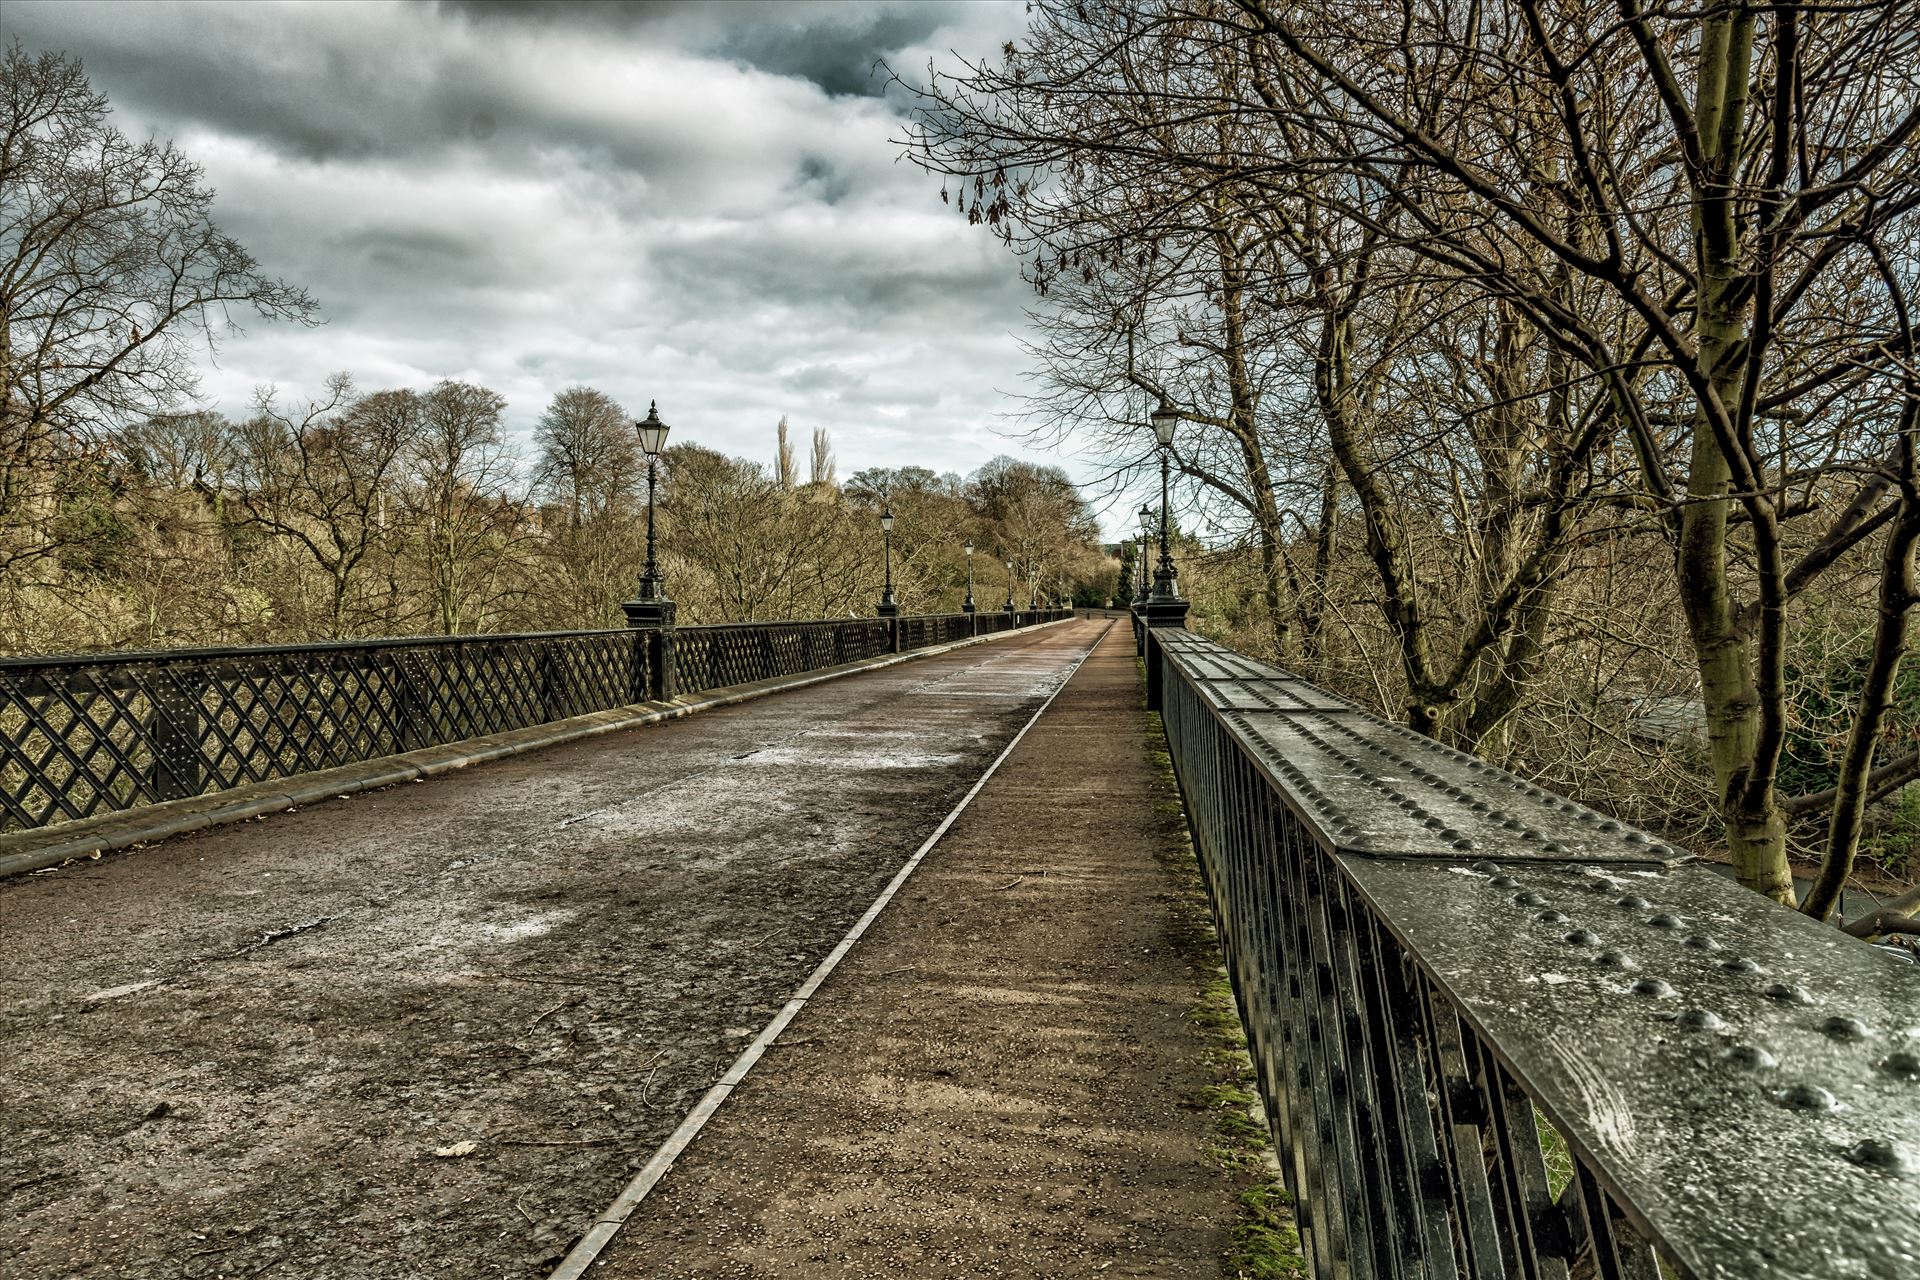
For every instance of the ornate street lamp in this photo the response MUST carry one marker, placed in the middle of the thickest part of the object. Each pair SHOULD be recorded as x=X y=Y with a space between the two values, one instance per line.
x=1141 y=578
x=1009 y=586
x=969 y=606
x=650 y=606
x=889 y=607
x=1166 y=579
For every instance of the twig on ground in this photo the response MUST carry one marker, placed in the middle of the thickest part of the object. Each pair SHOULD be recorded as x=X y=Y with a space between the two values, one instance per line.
x=902 y=969
x=646 y=1089
x=564 y=1004
x=1009 y=884
x=267 y=940
x=552 y=1142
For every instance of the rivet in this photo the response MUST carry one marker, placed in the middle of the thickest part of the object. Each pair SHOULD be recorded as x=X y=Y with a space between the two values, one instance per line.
x=1582 y=938
x=1665 y=921
x=1748 y=1057
x=1551 y=917
x=1702 y=942
x=1614 y=960
x=1478 y=806
x=1497 y=815
x=1636 y=837
x=1841 y=1027
x=1652 y=987
x=1739 y=964
x=1805 y=1097
x=1877 y=1153
x=1903 y=1065
x=1699 y=1020
x=1554 y=846
x=1787 y=994
x=1609 y=825
x=1486 y=868
x=1529 y=899
x=1448 y=833
x=1504 y=882
x=1632 y=902
x=1511 y=824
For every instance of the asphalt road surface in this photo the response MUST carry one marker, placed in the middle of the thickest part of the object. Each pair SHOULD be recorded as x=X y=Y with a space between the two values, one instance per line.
x=431 y=1030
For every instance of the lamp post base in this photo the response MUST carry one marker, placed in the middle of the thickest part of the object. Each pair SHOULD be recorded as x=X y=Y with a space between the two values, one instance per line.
x=1164 y=612
x=649 y=611
x=655 y=676
x=889 y=607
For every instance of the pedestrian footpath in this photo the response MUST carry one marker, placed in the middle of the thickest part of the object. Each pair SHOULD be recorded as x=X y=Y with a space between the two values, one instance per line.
x=999 y=1080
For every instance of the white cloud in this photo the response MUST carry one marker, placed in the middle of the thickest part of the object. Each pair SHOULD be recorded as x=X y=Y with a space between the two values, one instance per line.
x=565 y=198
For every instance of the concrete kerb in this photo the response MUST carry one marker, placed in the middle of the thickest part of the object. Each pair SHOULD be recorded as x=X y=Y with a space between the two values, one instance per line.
x=90 y=838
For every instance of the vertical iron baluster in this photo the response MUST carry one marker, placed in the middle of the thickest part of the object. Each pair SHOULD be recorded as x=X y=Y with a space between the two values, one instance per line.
x=1538 y=1243
x=1461 y=1143
x=1415 y=1153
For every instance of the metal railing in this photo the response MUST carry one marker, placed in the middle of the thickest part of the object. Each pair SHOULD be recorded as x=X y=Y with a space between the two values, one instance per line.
x=98 y=733
x=1498 y=1034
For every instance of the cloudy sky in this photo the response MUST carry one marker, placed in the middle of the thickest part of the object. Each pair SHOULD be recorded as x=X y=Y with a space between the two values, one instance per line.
x=699 y=203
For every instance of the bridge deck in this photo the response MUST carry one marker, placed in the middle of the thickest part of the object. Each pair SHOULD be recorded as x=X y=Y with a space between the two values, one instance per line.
x=237 y=1053
x=995 y=1084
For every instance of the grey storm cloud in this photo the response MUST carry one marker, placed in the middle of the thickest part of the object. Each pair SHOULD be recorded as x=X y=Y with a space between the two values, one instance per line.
x=699 y=203
x=837 y=45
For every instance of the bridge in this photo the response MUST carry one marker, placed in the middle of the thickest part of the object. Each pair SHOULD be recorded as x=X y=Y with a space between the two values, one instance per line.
x=847 y=948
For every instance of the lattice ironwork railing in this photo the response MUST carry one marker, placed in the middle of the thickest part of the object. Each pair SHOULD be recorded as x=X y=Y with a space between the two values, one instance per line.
x=1498 y=1034
x=934 y=628
x=709 y=657
x=95 y=734
x=86 y=735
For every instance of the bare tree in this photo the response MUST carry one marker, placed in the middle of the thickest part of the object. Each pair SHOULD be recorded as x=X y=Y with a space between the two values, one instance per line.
x=322 y=477
x=465 y=515
x=820 y=464
x=112 y=278
x=786 y=472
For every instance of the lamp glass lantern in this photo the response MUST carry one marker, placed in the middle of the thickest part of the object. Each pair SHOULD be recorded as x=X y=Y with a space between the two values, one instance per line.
x=652 y=432
x=1165 y=419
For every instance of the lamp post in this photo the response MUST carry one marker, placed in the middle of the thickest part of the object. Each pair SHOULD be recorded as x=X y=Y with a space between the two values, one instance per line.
x=645 y=609
x=1166 y=579
x=1163 y=606
x=889 y=607
x=968 y=606
x=1009 y=586
x=1140 y=575
x=650 y=609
